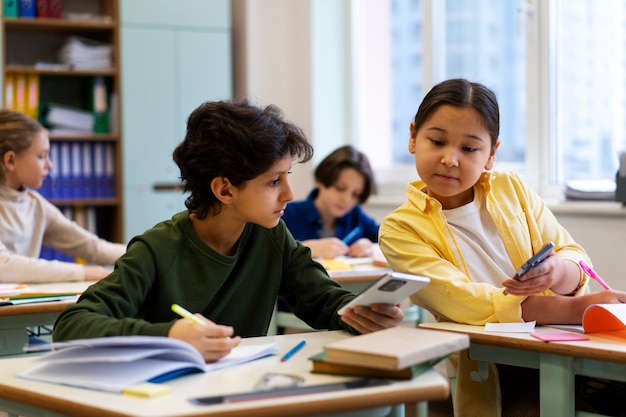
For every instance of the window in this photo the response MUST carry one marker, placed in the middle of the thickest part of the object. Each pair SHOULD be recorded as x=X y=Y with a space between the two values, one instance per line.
x=558 y=68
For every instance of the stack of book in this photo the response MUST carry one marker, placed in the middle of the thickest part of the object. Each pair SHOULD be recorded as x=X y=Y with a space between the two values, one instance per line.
x=395 y=353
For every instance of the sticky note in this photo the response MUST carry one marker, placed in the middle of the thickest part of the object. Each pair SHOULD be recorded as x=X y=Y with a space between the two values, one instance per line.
x=336 y=265
x=147 y=389
x=559 y=336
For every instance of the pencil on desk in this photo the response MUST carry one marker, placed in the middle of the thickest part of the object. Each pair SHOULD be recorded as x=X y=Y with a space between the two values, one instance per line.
x=293 y=351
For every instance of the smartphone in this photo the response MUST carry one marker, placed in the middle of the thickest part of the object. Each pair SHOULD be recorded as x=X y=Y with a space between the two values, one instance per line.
x=391 y=288
x=535 y=260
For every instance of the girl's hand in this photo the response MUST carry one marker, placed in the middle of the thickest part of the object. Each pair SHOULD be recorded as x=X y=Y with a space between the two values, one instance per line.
x=95 y=272
x=327 y=248
x=213 y=341
x=362 y=248
x=545 y=275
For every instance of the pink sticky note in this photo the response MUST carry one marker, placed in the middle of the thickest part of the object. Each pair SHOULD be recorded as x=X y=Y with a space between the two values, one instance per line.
x=559 y=336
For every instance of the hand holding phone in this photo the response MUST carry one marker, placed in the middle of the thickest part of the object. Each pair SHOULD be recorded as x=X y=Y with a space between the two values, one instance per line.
x=391 y=288
x=534 y=260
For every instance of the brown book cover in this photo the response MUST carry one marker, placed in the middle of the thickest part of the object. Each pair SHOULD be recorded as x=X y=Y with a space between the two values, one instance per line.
x=395 y=348
x=323 y=367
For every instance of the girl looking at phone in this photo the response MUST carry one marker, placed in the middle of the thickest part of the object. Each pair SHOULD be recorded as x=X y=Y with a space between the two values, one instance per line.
x=470 y=229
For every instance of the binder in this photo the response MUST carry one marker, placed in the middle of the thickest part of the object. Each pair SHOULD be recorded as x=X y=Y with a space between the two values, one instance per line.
x=55 y=8
x=98 y=168
x=65 y=170
x=87 y=173
x=32 y=95
x=11 y=8
x=53 y=175
x=100 y=106
x=42 y=8
x=20 y=92
x=76 y=164
x=109 y=169
x=9 y=91
x=26 y=8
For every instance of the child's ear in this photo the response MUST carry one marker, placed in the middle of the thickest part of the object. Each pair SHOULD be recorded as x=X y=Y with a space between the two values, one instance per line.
x=8 y=159
x=222 y=189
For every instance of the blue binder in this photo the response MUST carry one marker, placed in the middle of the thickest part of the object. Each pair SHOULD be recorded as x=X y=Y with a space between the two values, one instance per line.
x=26 y=8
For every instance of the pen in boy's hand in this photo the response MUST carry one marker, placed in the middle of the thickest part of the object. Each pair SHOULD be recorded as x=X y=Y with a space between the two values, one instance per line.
x=592 y=274
x=293 y=351
x=186 y=314
x=348 y=239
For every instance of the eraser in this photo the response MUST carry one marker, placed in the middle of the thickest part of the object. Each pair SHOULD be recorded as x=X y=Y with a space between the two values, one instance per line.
x=147 y=389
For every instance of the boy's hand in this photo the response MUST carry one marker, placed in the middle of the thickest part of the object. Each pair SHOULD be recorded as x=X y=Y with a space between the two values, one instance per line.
x=213 y=341
x=373 y=318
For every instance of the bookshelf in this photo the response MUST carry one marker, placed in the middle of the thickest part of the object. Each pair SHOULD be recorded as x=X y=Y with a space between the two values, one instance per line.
x=34 y=80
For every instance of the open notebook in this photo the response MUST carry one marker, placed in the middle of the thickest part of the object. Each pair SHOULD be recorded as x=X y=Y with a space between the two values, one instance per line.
x=600 y=318
x=114 y=363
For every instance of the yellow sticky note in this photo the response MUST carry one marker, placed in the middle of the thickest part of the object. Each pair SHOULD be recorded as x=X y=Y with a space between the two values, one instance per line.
x=336 y=265
x=147 y=389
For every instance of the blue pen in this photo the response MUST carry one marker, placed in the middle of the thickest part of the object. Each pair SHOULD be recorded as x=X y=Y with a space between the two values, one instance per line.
x=293 y=351
x=351 y=235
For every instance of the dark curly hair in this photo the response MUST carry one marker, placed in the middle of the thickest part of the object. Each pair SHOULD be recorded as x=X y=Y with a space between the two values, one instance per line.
x=236 y=140
x=328 y=171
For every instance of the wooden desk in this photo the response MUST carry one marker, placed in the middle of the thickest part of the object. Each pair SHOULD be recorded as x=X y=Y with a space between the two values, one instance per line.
x=30 y=398
x=14 y=320
x=603 y=356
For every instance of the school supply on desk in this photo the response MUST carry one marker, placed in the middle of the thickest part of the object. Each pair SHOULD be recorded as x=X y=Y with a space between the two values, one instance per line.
x=288 y=391
x=559 y=336
x=16 y=294
x=321 y=366
x=118 y=362
x=391 y=288
x=293 y=351
x=600 y=318
x=395 y=348
x=336 y=264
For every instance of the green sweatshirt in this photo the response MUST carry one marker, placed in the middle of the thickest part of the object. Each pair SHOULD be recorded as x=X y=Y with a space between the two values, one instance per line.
x=170 y=264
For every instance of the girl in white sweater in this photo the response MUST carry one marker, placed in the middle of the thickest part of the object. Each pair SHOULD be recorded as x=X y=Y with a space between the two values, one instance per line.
x=28 y=220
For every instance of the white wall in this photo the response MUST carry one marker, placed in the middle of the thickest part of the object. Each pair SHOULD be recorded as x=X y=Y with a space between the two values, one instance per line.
x=294 y=54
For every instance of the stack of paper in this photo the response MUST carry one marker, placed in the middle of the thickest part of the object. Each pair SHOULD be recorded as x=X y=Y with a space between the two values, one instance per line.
x=59 y=117
x=397 y=352
x=84 y=53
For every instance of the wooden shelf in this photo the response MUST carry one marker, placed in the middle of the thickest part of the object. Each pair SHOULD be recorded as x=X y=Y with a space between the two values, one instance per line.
x=60 y=25
x=29 y=41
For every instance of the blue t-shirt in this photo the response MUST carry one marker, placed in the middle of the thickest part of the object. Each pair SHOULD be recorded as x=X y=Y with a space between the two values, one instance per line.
x=304 y=221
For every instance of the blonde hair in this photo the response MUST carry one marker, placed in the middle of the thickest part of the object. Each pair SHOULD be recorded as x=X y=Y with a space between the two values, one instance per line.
x=17 y=131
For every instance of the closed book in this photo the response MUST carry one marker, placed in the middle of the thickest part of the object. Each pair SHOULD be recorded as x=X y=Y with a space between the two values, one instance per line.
x=321 y=366
x=395 y=348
